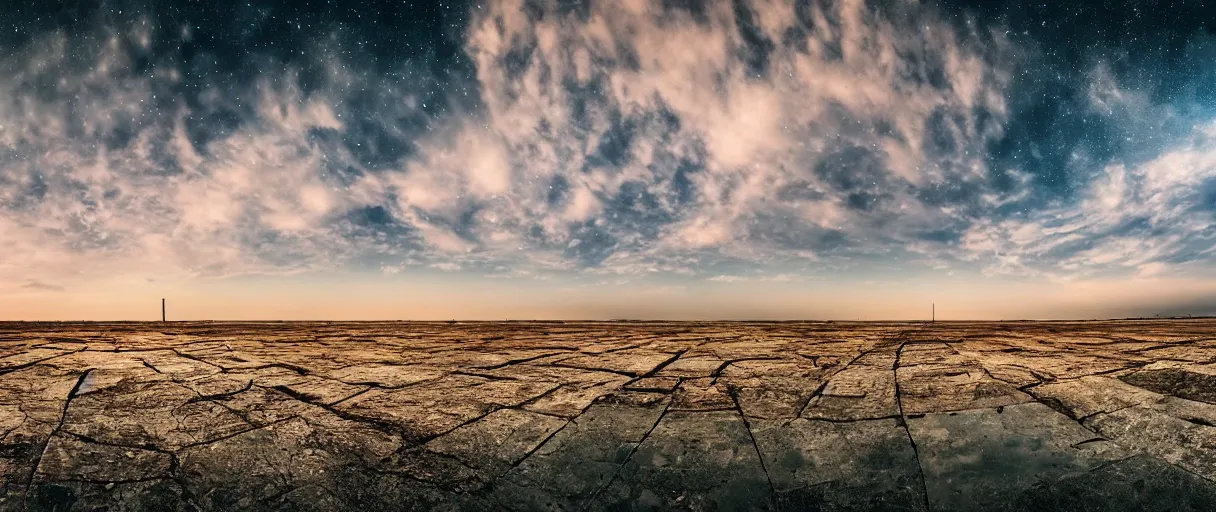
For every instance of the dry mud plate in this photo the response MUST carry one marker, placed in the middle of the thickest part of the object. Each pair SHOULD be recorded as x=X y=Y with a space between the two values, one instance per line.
x=608 y=416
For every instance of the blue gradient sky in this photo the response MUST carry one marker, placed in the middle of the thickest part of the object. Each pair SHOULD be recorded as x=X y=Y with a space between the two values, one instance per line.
x=591 y=159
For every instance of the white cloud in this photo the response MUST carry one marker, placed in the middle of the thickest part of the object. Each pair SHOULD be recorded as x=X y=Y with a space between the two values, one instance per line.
x=824 y=92
x=1146 y=218
x=623 y=139
x=83 y=205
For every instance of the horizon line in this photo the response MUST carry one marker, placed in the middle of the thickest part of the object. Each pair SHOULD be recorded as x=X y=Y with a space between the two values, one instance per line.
x=614 y=320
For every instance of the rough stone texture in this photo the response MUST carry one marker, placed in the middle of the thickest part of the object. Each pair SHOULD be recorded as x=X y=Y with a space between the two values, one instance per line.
x=608 y=416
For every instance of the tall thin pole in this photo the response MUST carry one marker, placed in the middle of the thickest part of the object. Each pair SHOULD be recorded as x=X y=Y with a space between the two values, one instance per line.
x=934 y=313
x=162 y=310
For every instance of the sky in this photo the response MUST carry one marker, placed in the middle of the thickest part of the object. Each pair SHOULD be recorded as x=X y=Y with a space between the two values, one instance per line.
x=566 y=159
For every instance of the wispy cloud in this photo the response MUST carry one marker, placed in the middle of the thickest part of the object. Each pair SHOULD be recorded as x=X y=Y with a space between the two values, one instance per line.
x=1144 y=219
x=613 y=139
x=643 y=137
x=41 y=286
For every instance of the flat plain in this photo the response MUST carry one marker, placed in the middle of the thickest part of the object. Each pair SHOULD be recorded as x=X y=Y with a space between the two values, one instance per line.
x=1102 y=415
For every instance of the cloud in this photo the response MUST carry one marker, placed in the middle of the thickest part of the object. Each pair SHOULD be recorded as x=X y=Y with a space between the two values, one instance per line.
x=40 y=286
x=1145 y=219
x=683 y=123
x=109 y=173
x=613 y=139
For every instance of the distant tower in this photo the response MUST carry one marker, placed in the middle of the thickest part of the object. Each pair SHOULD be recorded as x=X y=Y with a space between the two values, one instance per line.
x=162 y=310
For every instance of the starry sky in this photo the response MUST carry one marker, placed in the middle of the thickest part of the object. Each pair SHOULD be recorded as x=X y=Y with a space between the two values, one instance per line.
x=817 y=159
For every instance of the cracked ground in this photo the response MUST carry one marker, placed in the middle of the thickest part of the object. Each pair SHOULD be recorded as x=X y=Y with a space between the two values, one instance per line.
x=608 y=416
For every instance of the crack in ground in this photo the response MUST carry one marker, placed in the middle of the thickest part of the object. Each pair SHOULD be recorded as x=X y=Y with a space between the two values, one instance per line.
x=22 y=366
x=631 y=375
x=234 y=434
x=352 y=395
x=832 y=373
x=376 y=423
x=214 y=399
x=543 y=442
x=175 y=467
x=726 y=363
x=300 y=370
x=155 y=348
x=1047 y=379
x=522 y=360
x=451 y=487
x=816 y=393
x=899 y=402
x=219 y=396
x=24 y=418
x=382 y=386
x=150 y=366
x=1091 y=415
x=91 y=440
x=491 y=410
x=854 y=420
x=665 y=363
x=540 y=397
x=813 y=359
x=539 y=413
x=616 y=474
x=622 y=473
x=193 y=357
x=487 y=376
x=55 y=431
x=638 y=346
x=734 y=396
x=1059 y=408
x=1088 y=441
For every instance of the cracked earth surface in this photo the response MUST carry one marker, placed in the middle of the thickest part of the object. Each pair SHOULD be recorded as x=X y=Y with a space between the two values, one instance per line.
x=608 y=416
